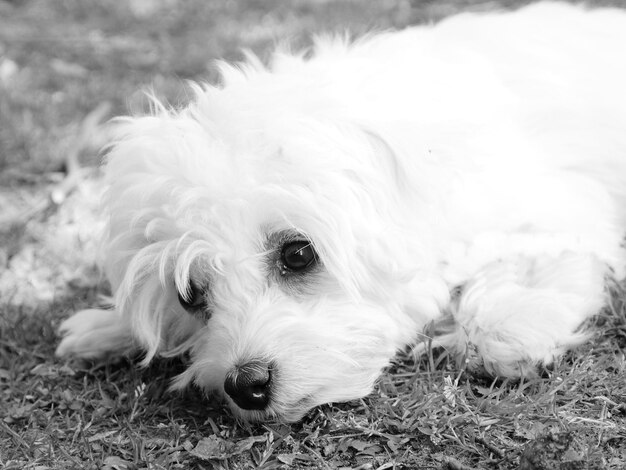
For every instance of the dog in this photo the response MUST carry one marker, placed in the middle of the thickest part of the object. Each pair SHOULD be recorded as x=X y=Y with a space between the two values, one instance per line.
x=292 y=228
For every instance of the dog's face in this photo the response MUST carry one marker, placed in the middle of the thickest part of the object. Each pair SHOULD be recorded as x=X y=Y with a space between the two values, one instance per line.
x=271 y=253
x=278 y=334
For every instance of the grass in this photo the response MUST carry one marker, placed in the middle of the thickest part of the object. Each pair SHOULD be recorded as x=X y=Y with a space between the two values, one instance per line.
x=60 y=61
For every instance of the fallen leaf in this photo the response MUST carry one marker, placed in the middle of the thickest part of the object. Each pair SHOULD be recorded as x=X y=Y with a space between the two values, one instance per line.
x=216 y=448
x=66 y=370
x=44 y=370
x=117 y=463
x=102 y=436
x=286 y=458
x=359 y=446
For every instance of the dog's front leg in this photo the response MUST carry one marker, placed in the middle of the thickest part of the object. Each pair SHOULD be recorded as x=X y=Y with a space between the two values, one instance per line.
x=516 y=314
x=95 y=334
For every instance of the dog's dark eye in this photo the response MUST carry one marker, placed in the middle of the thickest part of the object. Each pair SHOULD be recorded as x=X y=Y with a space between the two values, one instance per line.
x=297 y=256
x=193 y=299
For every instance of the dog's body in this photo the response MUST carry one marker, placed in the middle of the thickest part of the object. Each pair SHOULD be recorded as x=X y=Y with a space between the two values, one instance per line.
x=295 y=227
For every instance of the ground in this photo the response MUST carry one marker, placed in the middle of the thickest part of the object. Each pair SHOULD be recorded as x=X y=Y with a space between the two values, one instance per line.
x=68 y=65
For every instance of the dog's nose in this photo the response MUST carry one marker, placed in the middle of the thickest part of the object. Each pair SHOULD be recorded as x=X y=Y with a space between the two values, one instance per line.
x=249 y=385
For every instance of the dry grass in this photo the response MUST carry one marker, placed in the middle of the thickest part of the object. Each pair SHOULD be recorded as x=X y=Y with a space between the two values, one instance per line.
x=61 y=60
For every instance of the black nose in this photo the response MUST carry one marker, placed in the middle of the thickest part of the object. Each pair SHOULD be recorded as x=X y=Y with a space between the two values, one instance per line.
x=249 y=385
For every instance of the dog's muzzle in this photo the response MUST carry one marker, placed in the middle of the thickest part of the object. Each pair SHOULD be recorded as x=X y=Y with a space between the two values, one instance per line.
x=249 y=385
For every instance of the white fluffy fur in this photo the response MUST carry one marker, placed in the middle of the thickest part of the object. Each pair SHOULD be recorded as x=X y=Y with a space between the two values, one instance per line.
x=485 y=154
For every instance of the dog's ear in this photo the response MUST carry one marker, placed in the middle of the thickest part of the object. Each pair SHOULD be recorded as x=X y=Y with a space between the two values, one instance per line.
x=383 y=150
x=157 y=321
x=145 y=168
x=179 y=330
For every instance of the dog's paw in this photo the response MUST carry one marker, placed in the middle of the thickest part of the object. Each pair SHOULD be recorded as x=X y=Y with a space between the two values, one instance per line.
x=94 y=334
x=520 y=314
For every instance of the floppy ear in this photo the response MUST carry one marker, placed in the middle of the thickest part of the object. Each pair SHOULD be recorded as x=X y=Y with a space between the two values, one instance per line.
x=389 y=159
x=146 y=176
x=146 y=297
x=175 y=330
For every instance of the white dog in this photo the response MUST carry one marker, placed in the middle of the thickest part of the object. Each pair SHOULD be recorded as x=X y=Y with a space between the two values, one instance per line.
x=294 y=227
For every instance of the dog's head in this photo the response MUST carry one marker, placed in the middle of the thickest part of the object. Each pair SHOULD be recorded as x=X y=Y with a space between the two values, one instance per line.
x=270 y=243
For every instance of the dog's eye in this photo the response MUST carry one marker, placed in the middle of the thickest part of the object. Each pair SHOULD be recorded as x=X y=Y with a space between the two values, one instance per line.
x=297 y=256
x=193 y=299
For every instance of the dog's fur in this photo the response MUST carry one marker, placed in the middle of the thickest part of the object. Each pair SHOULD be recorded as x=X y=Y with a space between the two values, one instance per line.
x=471 y=174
